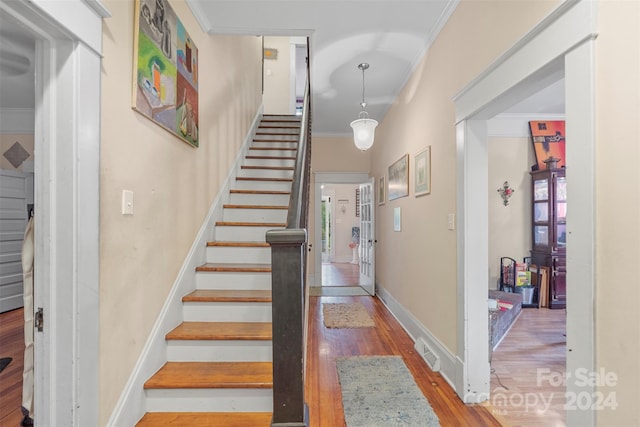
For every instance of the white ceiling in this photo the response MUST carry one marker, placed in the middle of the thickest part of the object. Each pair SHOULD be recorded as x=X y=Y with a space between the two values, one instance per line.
x=391 y=35
x=17 y=48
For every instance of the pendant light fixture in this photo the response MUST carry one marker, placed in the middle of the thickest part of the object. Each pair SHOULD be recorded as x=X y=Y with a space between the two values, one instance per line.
x=364 y=128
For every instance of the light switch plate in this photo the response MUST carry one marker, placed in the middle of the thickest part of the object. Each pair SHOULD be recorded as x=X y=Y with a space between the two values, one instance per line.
x=127 y=202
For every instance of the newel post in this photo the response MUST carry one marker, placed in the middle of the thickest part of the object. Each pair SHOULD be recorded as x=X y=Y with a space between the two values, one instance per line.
x=288 y=254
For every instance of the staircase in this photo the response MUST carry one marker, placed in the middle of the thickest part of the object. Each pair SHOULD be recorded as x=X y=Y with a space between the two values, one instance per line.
x=219 y=368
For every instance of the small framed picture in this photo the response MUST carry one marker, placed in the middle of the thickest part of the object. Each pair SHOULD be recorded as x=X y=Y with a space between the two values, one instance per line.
x=381 y=188
x=399 y=178
x=422 y=172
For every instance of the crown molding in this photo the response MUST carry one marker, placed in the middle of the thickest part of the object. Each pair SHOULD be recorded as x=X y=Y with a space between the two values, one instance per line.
x=17 y=120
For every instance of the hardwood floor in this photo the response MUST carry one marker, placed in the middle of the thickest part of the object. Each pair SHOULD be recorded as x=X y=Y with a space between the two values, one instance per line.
x=340 y=274
x=536 y=341
x=528 y=362
x=322 y=389
x=11 y=345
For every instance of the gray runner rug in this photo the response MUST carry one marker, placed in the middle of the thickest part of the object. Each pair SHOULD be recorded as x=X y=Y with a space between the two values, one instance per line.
x=379 y=391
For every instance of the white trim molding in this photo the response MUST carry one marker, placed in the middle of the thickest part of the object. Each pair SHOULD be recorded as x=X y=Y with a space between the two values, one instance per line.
x=448 y=366
x=561 y=46
x=516 y=125
x=18 y=121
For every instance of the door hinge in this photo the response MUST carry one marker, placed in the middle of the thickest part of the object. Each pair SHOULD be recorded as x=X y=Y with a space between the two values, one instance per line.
x=39 y=319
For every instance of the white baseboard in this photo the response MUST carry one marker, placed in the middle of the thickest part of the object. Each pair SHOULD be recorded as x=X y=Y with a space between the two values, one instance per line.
x=131 y=405
x=449 y=365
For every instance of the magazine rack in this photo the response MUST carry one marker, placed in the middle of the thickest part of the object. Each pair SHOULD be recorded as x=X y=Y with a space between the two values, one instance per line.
x=507 y=274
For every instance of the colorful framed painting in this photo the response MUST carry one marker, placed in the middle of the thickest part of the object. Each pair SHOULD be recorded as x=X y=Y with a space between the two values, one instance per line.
x=422 y=172
x=399 y=178
x=381 y=189
x=548 y=141
x=165 y=70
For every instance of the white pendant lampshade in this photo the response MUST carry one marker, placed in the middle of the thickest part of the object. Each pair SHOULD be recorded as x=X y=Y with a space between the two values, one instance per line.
x=364 y=128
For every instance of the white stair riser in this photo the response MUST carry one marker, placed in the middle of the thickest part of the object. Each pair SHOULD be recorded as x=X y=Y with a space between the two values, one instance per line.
x=226 y=311
x=259 y=199
x=224 y=254
x=265 y=173
x=220 y=351
x=271 y=139
x=262 y=185
x=273 y=153
x=270 y=162
x=242 y=234
x=227 y=281
x=255 y=215
x=209 y=400
x=275 y=143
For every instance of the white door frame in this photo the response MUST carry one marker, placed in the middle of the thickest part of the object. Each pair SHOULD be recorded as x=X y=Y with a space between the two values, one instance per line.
x=562 y=44
x=67 y=152
x=327 y=178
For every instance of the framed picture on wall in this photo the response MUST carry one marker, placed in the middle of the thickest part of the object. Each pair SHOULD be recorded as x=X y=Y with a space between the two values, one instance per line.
x=165 y=70
x=381 y=188
x=399 y=178
x=548 y=141
x=422 y=172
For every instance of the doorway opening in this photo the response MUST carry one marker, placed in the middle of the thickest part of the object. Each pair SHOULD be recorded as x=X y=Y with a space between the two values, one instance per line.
x=337 y=231
x=339 y=220
x=532 y=64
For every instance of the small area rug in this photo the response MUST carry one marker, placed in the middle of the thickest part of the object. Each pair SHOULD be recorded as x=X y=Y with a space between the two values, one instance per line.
x=379 y=391
x=336 y=291
x=348 y=315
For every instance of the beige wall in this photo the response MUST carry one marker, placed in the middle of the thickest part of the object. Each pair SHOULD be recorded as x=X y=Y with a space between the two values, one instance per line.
x=618 y=206
x=510 y=159
x=174 y=184
x=424 y=115
x=277 y=77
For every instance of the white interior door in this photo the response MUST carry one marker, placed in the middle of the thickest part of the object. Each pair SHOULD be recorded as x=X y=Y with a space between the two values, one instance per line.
x=13 y=222
x=367 y=238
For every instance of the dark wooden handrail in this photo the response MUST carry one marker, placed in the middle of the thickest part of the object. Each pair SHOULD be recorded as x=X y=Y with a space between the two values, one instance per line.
x=288 y=287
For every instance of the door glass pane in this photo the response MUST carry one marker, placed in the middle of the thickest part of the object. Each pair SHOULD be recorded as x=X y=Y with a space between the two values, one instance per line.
x=561 y=232
x=541 y=235
x=561 y=211
x=561 y=189
x=540 y=212
x=541 y=189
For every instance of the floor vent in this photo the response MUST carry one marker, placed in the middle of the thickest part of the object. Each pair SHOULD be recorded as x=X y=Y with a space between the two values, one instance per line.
x=433 y=361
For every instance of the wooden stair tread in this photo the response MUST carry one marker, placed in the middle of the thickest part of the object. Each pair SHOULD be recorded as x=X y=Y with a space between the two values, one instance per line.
x=205 y=419
x=250 y=178
x=275 y=207
x=287 y=141
x=278 y=133
x=269 y=168
x=274 y=148
x=239 y=244
x=196 y=375
x=240 y=331
x=228 y=295
x=235 y=268
x=269 y=158
x=272 y=192
x=250 y=224
x=277 y=127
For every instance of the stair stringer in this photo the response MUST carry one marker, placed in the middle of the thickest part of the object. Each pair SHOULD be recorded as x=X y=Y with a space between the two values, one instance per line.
x=131 y=405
